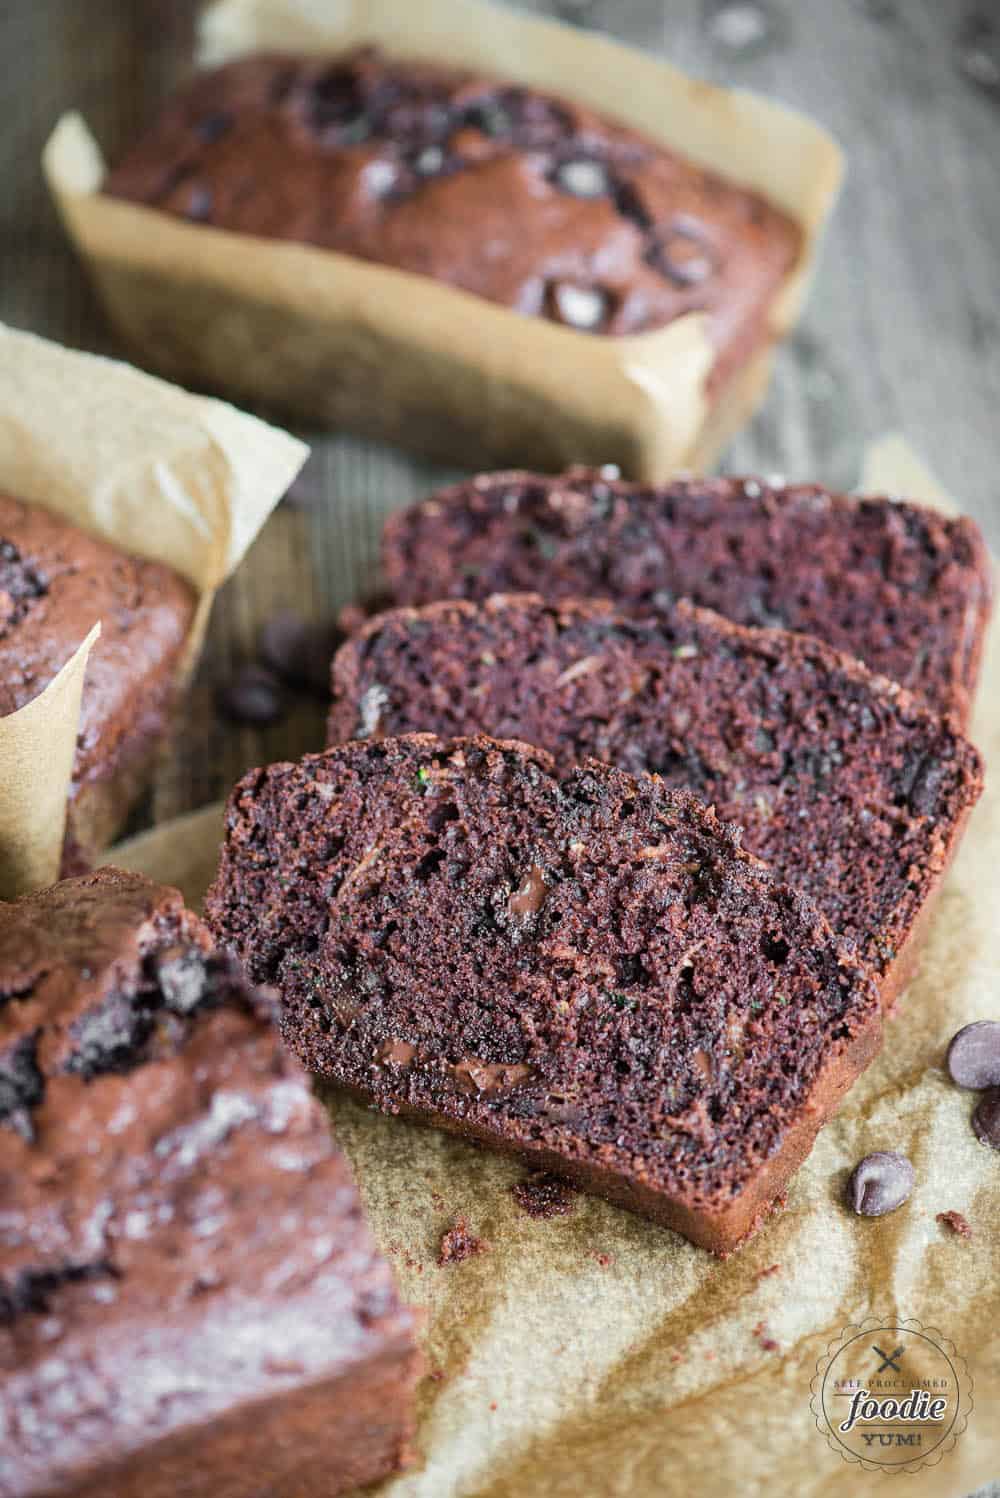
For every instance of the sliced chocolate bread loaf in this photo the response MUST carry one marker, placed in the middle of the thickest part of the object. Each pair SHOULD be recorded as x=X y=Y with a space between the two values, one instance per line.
x=190 y=1299
x=902 y=588
x=585 y=970
x=847 y=785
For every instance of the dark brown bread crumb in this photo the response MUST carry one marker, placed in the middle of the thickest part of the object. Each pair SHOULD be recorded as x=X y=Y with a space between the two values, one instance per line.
x=458 y=1244
x=531 y=201
x=663 y=1023
x=253 y=694
x=764 y=1340
x=845 y=784
x=902 y=588
x=544 y=1196
x=956 y=1222
x=184 y=1266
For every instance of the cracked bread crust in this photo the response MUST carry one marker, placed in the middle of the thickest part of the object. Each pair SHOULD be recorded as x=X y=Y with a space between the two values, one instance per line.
x=189 y=1296
x=531 y=201
x=584 y=969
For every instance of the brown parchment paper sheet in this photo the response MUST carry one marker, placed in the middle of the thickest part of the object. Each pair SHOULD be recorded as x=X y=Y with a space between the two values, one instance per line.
x=596 y=1354
x=163 y=474
x=402 y=357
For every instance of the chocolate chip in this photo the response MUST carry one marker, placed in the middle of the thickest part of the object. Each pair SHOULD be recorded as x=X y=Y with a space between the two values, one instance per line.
x=924 y=776
x=429 y=161
x=32 y=1288
x=337 y=102
x=254 y=695
x=986 y=1119
x=180 y=972
x=213 y=126
x=199 y=205
x=583 y=177
x=529 y=897
x=536 y=121
x=22 y=1086
x=630 y=206
x=381 y=177
x=880 y=1183
x=354 y=132
x=583 y=307
x=489 y=117
x=300 y=650
x=973 y=1059
x=109 y=1038
x=682 y=253
x=20 y=584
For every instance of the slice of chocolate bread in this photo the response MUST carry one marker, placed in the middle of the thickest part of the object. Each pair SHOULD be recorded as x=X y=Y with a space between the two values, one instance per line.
x=585 y=970
x=902 y=588
x=190 y=1300
x=846 y=784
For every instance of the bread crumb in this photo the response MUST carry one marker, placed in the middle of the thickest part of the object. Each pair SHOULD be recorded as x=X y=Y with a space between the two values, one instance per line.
x=956 y=1222
x=459 y=1243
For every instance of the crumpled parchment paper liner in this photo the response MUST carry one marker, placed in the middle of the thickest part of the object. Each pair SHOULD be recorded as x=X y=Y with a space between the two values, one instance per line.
x=403 y=357
x=596 y=1354
x=29 y=857
x=163 y=474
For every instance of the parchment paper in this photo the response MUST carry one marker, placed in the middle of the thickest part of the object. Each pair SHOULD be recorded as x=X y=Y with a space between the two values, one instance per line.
x=596 y=1354
x=401 y=356
x=32 y=783
x=162 y=474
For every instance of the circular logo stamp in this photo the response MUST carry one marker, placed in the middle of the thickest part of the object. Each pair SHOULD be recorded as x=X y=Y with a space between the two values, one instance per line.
x=891 y=1393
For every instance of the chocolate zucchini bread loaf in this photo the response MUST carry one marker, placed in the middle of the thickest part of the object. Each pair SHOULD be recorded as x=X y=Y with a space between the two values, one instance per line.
x=190 y=1300
x=528 y=200
x=847 y=785
x=904 y=589
x=584 y=970
x=56 y=582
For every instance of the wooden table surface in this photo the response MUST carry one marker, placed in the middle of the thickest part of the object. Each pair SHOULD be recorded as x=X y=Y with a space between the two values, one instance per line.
x=901 y=332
